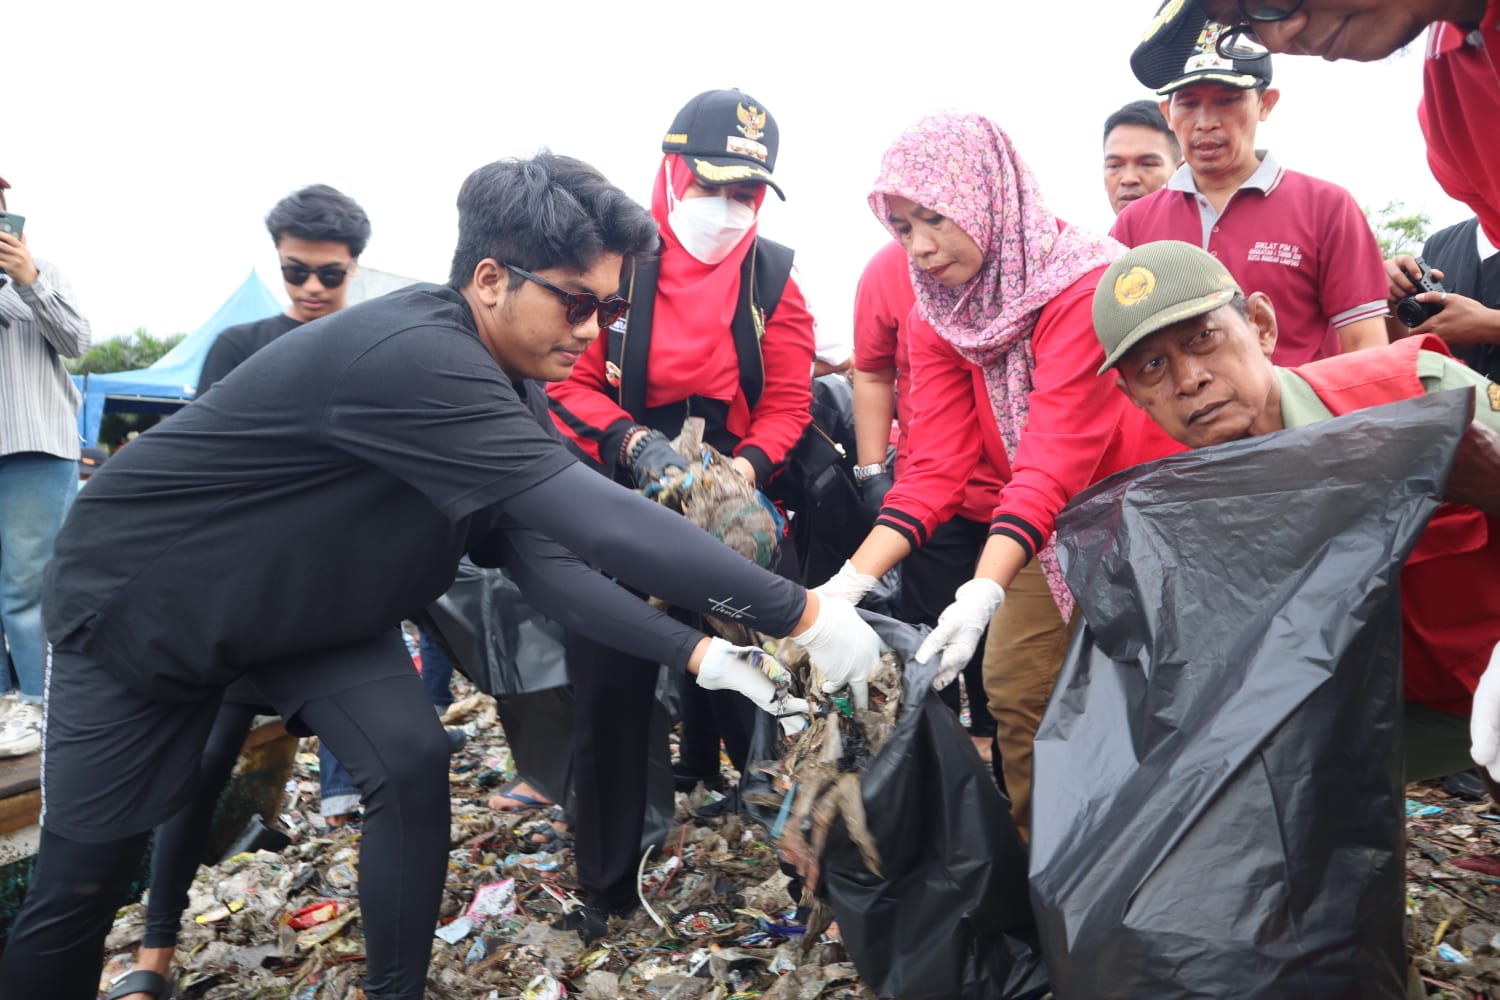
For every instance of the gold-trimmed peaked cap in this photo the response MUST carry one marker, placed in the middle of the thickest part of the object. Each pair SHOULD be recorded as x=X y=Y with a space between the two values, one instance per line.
x=1180 y=47
x=1153 y=286
x=725 y=136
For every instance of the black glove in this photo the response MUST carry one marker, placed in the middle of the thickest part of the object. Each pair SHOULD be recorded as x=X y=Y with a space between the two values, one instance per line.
x=873 y=490
x=650 y=458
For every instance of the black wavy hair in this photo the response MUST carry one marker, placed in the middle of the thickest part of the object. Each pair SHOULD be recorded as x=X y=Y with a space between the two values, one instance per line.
x=545 y=211
x=319 y=212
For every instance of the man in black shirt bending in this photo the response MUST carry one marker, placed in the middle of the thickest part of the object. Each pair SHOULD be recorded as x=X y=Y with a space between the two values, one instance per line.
x=280 y=527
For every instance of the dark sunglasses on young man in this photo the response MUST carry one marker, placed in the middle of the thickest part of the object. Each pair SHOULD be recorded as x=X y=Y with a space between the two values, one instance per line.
x=1239 y=42
x=580 y=305
x=329 y=275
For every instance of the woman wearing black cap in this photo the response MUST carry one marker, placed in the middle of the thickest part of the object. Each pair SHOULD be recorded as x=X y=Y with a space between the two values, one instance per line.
x=718 y=329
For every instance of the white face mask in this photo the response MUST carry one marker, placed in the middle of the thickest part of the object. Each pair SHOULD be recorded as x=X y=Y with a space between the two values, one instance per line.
x=709 y=228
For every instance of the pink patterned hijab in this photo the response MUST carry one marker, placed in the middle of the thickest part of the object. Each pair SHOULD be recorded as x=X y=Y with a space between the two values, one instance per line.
x=963 y=166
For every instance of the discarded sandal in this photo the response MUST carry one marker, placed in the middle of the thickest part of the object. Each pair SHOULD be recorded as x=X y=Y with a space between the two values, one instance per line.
x=497 y=802
x=141 y=981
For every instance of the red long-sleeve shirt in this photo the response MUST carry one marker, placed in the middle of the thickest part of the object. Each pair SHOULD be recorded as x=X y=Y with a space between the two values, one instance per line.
x=955 y=460
x=594 y=420
x=1080 y=427
x=1459 y=110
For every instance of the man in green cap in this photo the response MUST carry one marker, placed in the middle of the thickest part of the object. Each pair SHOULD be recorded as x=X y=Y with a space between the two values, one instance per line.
x=1193 y=351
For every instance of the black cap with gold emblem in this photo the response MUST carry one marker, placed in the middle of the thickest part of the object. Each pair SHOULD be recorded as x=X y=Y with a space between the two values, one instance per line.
x=726 y=137
x=1179 y=48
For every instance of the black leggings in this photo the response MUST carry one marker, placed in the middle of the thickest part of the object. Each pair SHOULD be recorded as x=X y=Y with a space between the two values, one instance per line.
x=386 y=734
x=180 y=841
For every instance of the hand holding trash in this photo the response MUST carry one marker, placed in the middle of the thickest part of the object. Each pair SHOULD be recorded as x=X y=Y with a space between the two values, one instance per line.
x=650 y=456
x=842 y=646
x=959 y=627
x=752 y=672
x=1484 y=720
x=848 y=584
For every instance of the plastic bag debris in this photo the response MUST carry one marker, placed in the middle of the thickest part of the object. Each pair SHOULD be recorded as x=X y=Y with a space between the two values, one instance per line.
x=1217 y=806
x=947 y=915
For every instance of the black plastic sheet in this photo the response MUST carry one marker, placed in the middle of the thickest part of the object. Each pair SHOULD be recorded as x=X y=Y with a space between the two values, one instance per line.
x=1218 y=805
x=948 y=916
x=515 y=654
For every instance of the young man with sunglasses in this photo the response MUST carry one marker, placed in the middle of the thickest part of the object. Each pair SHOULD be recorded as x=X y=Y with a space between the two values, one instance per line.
x=319 y=234
x=1300 y=238
x=1460 y=76
x=282 y=526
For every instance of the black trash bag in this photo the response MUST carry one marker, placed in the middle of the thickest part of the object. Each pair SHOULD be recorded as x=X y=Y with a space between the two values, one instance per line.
x=948 y=916
x=1218 y=799
x=510 y=651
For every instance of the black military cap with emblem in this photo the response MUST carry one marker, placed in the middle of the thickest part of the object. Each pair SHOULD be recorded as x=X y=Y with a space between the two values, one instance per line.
x=1180 y=48
x=726 y=137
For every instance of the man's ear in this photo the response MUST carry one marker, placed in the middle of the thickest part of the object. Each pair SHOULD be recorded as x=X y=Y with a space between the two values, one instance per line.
x=1268 y=101
x=1262 y=317
x=490 y=282
x=1120 y=384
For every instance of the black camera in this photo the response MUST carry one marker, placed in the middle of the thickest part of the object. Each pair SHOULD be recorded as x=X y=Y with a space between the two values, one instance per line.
x=1413 y=313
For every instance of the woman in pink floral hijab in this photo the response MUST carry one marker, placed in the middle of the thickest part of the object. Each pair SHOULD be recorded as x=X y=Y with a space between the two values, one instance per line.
x=1008 y=288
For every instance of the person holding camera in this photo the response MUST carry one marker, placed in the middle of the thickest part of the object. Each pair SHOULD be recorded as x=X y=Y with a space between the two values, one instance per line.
x=1300 y=238
x=39 y=326
x=1453 y=291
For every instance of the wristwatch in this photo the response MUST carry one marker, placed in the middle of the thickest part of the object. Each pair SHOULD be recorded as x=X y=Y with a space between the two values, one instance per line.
x=863 y=473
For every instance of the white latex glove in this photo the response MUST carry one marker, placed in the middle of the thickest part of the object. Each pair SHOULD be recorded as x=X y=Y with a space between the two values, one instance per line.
x=848 y=584
x=843 y=647
x=959 y=627
x=752 y=672
x=1484 y=723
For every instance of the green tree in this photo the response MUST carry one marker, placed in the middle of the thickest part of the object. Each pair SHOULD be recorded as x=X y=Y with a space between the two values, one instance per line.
x=123 y=354
x=1397 y=230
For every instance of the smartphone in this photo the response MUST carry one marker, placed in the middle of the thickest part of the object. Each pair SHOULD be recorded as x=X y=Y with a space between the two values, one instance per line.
x=11 y=223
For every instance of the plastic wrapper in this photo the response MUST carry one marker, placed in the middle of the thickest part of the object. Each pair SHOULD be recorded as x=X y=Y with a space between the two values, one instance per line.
x=948 y=915
x=1218 y=804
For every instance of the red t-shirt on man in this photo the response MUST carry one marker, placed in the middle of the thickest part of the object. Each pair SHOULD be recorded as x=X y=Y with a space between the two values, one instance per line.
x=1301 y=240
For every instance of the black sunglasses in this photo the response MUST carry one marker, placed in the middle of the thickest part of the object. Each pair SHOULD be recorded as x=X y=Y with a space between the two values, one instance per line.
x=329 y=275
x=1239 y=42
x=580 y=305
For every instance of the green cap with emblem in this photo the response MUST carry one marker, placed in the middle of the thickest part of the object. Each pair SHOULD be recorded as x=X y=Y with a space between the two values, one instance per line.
x=1153 y=286
x=726 y=137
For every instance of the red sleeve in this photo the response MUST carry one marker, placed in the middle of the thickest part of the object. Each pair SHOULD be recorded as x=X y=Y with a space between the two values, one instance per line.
x=785 y=406
x=1075 y=418
x=943 y=437
x=879 y=308
x=585 y=409
x=1352 y=285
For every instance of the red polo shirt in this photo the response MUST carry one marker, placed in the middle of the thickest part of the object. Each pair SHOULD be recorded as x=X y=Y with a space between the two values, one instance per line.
x=1301 y=240
x=1460 y=114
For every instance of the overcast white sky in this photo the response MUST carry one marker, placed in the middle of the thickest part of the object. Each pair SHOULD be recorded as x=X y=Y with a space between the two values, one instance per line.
x=146 y=141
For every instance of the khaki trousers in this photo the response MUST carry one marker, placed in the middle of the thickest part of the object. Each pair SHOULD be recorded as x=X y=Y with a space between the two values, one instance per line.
x=1022 y=657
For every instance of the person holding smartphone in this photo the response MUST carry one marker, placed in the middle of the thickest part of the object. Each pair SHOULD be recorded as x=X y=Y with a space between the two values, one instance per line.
x=39 y=326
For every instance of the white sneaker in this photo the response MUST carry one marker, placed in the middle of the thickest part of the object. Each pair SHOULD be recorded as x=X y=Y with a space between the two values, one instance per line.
x=22 y=731
x=8 y=702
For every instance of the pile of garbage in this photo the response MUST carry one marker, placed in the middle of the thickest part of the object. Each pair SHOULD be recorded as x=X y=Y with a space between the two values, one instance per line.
x=716 y=924
x=1453 y=888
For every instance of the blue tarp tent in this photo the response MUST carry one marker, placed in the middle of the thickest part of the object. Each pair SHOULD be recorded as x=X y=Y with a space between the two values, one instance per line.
x=171 y=381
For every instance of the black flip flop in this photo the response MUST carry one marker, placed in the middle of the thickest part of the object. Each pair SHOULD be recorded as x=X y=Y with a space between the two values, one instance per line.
x=141 y=981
